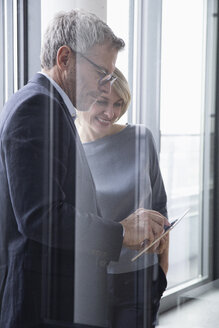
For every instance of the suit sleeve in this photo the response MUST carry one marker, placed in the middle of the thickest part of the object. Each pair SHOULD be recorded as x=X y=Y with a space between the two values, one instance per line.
x=36 y=146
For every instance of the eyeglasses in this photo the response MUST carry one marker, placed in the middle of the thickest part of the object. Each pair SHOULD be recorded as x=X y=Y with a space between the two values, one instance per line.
x=105 y=78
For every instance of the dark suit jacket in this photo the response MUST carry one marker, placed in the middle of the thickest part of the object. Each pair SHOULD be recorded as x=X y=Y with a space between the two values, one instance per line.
x=54 y=246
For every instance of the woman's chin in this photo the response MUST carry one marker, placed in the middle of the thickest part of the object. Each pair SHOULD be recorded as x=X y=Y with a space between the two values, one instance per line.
x=102 y=129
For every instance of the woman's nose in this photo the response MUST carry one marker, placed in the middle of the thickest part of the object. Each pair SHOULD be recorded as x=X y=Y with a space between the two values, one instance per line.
x=108 y=111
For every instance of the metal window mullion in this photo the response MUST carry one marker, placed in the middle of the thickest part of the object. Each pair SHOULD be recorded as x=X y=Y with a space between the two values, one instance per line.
x=216 y=160
x=209 y=107
x=137 y=53
x=33 y=22
x=5 y=47
x=2 y=62
x=8 y=49
x=22 y=31
x=130 y=57
x=15 y=45
x=146 y=65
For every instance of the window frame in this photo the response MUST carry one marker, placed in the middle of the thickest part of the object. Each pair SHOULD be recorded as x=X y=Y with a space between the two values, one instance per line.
x=147 y=18
x=19 y=21
x=2 y=63
x=146 y=57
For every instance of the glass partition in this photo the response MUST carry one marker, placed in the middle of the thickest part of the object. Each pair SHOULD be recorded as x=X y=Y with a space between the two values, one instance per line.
x=185 y=133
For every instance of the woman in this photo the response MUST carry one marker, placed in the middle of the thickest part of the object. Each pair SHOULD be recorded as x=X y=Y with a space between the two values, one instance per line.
x=126 y=172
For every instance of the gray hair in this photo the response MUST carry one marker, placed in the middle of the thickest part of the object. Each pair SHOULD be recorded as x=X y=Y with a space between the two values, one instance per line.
x=77 y=29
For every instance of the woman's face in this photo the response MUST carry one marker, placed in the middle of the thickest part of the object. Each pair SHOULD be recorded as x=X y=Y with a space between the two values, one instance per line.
x=99 y=121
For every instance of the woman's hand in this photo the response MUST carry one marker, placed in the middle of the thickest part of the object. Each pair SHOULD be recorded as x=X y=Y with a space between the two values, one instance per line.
x=164 y=255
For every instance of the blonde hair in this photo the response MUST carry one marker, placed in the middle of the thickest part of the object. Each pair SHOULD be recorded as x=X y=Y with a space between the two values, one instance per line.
x=121 y=87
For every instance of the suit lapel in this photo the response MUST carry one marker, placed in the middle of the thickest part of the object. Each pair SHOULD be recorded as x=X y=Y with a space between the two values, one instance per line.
x=41 y=80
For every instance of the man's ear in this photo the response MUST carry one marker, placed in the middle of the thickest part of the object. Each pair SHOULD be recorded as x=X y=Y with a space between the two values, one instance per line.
x=64 y=55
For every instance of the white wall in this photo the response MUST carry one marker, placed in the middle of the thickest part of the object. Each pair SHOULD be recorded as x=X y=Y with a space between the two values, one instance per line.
x=50 y=7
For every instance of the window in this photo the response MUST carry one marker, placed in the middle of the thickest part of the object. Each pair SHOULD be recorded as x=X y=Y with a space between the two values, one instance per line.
x=185 y=124
x=171 y=71
x=170 y=61
x=182 y=130
x=19 y=22
x=1 y=55
x=7 y=40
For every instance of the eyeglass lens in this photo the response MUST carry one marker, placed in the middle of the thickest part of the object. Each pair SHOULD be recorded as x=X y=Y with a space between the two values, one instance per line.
x=106 y=79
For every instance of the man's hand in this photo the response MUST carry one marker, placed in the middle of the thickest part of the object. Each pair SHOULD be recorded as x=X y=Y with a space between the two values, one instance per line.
x=142 y=225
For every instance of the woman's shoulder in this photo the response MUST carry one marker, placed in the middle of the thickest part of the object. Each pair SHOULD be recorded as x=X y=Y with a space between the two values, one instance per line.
x=141 y=130
x=118 y=128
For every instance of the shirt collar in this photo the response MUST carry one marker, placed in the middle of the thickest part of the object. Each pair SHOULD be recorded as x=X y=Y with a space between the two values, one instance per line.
x=62 y=93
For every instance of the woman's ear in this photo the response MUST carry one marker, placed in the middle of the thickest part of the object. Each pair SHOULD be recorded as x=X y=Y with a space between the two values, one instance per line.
x=64 y=55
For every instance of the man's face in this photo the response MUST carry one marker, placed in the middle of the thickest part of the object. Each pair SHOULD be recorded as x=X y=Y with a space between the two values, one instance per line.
x=86 y=76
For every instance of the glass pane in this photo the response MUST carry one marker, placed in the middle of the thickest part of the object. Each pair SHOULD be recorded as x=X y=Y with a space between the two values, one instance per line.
x=181 y=158
x=114 y=21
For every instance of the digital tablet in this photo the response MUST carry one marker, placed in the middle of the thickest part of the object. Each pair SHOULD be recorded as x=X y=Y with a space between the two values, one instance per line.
x=166 y=231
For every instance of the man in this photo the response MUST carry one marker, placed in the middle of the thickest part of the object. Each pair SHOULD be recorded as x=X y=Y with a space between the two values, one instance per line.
x=54 y=244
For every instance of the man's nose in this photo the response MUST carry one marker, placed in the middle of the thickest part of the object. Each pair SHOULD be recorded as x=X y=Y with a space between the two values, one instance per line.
x=106 y=88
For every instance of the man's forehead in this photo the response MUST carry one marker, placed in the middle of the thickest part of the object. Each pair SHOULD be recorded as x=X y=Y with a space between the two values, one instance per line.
x=104 y=47
x=104 y=56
